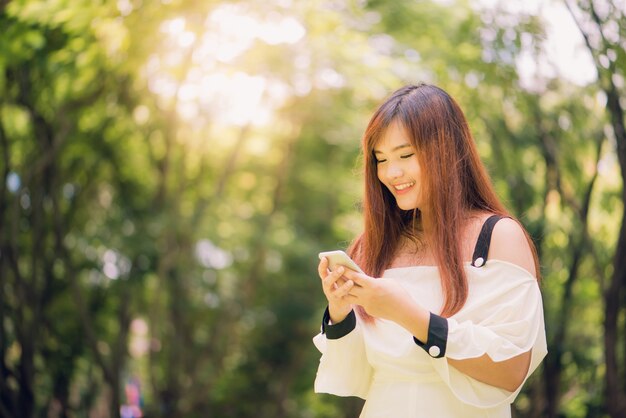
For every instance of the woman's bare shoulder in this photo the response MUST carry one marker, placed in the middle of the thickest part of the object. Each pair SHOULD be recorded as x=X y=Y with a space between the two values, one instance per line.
x=509 y=243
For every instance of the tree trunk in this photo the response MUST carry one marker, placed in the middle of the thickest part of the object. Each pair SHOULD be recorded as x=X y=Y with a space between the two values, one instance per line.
x=615 y=393
x=616 y=293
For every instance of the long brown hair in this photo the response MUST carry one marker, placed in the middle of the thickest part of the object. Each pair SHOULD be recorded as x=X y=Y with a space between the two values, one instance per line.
x=454 y=183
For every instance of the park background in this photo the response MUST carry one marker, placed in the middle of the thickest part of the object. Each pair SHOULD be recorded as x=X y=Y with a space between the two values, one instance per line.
x=170 y=170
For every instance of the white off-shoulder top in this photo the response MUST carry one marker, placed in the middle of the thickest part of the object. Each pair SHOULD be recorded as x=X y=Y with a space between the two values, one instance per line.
x=381 y=363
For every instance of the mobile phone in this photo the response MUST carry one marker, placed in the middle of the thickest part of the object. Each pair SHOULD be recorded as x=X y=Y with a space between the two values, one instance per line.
x=339 y=258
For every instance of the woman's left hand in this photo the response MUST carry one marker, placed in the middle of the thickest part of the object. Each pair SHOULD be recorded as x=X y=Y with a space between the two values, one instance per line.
x=380 y=298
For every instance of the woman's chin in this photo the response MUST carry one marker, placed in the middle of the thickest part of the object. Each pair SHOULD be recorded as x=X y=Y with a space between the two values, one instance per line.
x=406 y=206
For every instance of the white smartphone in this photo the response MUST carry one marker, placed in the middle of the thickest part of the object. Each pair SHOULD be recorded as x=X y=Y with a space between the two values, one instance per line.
x=339 y=258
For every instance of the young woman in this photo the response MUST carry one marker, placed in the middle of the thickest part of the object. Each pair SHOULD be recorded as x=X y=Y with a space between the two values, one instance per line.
x=448 y=319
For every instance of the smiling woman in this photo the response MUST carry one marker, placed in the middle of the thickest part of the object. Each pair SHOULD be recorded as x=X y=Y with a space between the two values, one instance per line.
x=442 y=323
x=398 y=167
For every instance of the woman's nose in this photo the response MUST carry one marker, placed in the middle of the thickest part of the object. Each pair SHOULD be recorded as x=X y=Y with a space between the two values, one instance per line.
x=394 y=171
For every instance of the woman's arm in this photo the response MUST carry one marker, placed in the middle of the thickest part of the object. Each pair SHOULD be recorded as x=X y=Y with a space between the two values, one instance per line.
x=508 y=243
x=385 y=298
x=508 y=374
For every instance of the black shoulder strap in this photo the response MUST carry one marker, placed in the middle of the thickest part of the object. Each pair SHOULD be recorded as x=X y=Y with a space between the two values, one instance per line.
x=484 y=240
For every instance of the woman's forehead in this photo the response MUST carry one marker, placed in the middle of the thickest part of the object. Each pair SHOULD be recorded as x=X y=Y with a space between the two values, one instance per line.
x=394 y=137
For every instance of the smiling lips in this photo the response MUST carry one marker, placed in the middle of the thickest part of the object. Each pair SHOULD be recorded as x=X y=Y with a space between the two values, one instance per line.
x=403 y=186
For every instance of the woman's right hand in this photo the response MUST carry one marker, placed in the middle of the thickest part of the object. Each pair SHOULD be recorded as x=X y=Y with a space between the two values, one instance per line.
x=336 y=290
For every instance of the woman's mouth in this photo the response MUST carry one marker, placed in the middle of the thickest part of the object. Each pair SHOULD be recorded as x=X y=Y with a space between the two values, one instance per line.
x=403 y=187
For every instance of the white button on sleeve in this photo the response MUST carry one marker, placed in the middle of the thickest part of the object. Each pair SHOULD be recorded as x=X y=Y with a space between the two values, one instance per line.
x=434 y=351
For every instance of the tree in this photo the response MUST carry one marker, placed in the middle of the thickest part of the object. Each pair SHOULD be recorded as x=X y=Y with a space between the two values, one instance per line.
x=171 y=169
x=602 y=29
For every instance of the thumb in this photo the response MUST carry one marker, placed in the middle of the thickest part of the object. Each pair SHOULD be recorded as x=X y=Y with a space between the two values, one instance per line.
x=359 y=279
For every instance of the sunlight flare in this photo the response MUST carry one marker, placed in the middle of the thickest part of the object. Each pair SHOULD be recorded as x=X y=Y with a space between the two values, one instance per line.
x=198 y=74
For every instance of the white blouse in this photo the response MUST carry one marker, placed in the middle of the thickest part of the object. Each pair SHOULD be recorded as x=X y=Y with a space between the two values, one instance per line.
x=380 y=362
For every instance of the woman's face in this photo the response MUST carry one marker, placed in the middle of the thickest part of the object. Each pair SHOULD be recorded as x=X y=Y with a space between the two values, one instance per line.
x=398 y=168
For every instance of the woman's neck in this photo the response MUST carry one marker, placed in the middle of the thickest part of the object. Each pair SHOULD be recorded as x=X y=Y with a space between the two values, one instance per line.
x=412 y=251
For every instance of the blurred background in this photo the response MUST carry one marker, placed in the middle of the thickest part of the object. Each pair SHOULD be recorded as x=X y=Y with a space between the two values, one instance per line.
x=171 y=168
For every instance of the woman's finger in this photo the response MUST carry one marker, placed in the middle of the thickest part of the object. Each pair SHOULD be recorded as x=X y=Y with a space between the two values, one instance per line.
x=330 y=281
x=322 y=268
x=359 y=279
x=356 y=290
x=344 y=289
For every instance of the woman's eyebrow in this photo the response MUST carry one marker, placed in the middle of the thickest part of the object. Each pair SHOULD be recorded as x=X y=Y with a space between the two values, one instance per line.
x=394 y=148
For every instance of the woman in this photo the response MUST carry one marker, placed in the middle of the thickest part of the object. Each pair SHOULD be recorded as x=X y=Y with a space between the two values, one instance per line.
x=449 y=319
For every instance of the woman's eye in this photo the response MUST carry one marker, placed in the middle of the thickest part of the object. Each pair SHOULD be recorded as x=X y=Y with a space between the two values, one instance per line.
x=407 y=155
x=380 y=161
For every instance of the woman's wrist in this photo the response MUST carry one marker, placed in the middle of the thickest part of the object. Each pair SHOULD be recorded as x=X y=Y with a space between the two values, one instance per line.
x=337 y=315
x=413 y=318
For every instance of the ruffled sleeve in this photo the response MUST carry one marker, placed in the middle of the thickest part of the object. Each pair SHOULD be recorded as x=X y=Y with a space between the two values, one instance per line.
x=343 y=369
x=503 y=317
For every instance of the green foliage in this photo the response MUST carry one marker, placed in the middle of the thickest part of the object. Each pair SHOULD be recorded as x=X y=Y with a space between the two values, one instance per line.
x=148 y=231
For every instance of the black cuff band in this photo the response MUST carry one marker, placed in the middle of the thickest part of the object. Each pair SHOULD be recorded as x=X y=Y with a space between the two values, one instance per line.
x=437 y=337
x=340 y=329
